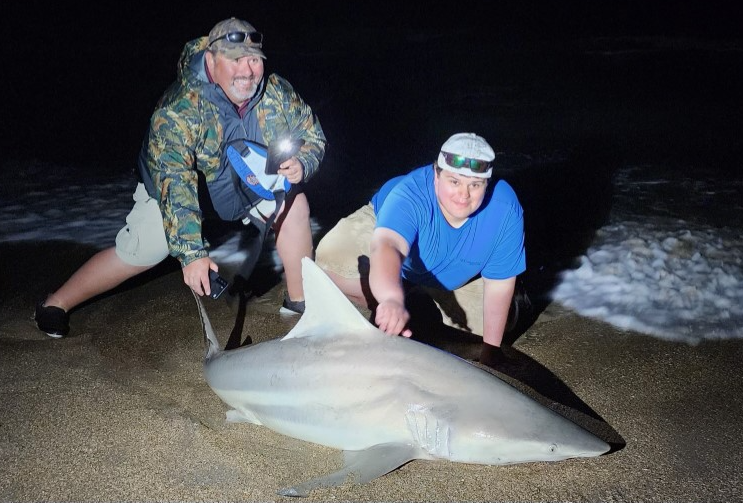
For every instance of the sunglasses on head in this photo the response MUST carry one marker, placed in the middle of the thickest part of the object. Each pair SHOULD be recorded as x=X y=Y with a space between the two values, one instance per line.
x=238 y=37
x=460 y=161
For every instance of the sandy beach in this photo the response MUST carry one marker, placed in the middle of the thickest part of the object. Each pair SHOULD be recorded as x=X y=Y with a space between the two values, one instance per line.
x=120 y=411
x=569 y=94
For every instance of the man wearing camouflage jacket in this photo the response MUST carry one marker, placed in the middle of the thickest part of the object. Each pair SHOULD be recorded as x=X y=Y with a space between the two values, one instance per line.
x=221 y=104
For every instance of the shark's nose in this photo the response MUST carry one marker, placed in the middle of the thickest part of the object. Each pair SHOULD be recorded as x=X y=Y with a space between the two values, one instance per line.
x=595 y=447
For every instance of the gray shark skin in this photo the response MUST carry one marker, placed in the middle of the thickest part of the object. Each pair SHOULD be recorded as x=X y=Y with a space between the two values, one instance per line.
x=338 y=381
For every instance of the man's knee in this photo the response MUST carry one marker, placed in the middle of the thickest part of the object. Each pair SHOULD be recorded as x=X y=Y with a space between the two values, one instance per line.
x=334 y=255
x=344 y=249
x=297 y=210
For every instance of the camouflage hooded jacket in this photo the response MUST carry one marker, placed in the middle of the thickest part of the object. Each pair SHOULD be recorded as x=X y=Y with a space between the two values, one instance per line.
x=189 y=130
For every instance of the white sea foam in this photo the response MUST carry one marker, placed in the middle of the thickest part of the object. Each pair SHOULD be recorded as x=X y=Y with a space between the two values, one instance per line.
x=677 y=279
x=662 y=277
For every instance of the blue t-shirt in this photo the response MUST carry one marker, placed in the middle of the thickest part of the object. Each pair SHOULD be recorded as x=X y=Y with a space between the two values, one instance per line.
x=490 y=242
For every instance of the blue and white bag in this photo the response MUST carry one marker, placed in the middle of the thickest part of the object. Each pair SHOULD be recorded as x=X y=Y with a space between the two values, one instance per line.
x=267 y=191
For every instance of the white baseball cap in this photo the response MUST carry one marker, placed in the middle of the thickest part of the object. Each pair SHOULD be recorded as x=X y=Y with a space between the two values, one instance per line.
x=467 y=154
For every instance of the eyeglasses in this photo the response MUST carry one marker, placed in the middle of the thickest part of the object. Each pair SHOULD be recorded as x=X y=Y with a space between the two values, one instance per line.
x=460 y=161
x=238 y=37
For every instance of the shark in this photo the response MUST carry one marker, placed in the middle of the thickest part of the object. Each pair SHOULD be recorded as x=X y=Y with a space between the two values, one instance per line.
x=337 y=380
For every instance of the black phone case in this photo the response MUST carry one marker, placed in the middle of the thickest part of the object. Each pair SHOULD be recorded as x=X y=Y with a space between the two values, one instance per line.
x=217 y=283
x=276 y=156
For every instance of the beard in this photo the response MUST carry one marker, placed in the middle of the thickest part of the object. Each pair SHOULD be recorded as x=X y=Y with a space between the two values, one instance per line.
x=242 y=89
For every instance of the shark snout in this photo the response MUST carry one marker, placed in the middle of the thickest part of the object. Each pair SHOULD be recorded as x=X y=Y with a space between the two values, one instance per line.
x=596 y=447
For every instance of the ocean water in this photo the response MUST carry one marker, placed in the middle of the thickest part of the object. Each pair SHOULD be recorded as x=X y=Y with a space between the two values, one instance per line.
x=668 y=262
x=622 y=133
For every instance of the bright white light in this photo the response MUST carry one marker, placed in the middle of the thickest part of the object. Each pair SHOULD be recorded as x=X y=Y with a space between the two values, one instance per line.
x=285 y=145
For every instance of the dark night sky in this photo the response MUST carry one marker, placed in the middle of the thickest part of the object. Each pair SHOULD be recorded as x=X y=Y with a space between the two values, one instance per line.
x=84 y=76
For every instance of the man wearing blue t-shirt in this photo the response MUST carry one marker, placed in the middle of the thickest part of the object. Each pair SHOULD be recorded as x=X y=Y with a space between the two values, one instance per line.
x=443 y=227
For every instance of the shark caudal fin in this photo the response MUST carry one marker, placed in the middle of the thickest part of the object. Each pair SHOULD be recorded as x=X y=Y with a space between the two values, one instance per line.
x=210 y=339
x=327 y=310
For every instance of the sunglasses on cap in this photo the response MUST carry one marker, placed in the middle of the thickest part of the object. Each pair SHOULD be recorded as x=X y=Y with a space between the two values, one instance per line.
x=238 y=37
x=460 y=161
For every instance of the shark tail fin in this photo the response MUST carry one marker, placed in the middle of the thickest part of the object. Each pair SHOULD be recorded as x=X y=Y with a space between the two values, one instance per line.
x=210 y=339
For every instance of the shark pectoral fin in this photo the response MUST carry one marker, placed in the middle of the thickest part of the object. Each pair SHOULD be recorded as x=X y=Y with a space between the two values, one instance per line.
x=235 y=416
x=359 y=467
x=377 y=460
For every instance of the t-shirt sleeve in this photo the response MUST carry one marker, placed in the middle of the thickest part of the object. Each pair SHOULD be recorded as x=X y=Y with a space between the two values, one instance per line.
x=400 y=213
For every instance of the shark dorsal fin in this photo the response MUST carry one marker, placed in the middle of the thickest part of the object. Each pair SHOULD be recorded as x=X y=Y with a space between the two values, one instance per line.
x=327 y=310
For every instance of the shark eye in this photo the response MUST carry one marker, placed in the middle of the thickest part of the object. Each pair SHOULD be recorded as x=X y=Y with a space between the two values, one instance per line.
x=553 y=447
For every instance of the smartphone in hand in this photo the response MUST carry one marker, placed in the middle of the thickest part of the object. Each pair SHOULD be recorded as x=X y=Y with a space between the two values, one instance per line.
x=217 y=284
x=279 y=151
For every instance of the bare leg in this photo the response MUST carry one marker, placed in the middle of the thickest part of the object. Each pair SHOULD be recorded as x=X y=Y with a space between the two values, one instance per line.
x=351 y=287
x=293 y=242
x=102 y=272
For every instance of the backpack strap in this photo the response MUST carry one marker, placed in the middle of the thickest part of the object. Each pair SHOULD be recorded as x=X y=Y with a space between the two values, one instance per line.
x=268 y=191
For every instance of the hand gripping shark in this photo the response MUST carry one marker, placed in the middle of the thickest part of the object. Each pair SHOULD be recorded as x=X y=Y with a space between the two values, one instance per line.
x=338 y=381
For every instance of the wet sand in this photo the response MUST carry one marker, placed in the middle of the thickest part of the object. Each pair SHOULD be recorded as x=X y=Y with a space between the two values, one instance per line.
x=120 y=411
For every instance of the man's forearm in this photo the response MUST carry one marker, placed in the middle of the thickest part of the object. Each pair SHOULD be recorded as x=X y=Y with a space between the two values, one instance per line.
x=384 y=275
x=497 y=295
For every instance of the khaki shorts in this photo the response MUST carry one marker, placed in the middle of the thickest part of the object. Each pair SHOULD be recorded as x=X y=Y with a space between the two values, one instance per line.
x=344 y=250
x=142 y=241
